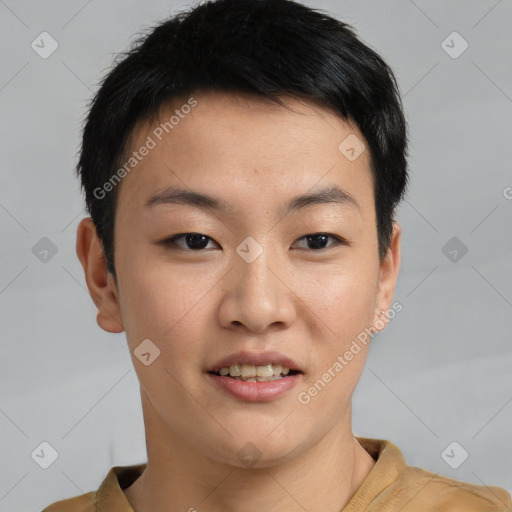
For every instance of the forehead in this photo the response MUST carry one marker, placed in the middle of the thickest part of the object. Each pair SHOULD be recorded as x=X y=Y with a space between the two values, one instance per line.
x=241 y=147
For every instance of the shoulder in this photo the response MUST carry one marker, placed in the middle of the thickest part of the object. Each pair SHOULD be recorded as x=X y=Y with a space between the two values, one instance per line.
x=84 y=503
x=393 y=485
x=110 y=493
x=422 y=490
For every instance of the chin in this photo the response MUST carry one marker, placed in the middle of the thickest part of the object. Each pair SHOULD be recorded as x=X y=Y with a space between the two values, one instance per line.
x=256 y=450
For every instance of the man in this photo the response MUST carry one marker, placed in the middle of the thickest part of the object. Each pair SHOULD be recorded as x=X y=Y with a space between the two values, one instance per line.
x=242 y=166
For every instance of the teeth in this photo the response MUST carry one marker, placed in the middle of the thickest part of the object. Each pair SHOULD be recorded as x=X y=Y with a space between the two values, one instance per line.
x=254 y=373
x=235 y=370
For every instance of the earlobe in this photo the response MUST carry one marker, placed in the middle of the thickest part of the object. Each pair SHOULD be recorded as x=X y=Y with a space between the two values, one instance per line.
x=388 y=275
x=100 y=284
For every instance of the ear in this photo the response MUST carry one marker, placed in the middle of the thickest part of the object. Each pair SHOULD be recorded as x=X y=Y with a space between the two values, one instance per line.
x=100 y=282
x=388 y=275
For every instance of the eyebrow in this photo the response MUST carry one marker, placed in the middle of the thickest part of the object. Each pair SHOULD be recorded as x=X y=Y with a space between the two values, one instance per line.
x=175 y=195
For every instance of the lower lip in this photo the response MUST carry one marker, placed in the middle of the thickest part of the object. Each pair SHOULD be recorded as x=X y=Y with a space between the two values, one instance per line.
x=255 y=391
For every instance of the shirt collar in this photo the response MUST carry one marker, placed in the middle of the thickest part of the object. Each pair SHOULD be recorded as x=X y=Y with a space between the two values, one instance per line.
x=390 y=462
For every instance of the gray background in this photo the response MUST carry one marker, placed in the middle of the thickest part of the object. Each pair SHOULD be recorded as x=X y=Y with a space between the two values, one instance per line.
x=439 y=373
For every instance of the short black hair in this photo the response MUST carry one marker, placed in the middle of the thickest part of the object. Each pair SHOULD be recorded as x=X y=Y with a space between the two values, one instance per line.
x=261 y=48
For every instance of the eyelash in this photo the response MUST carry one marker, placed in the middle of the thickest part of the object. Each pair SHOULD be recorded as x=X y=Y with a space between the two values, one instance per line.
x=171 y=242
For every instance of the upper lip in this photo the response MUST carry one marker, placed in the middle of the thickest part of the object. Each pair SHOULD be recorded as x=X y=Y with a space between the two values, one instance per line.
x=256 y=359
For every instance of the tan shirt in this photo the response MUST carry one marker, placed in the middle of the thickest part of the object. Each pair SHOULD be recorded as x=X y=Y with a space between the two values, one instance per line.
x=391 y=486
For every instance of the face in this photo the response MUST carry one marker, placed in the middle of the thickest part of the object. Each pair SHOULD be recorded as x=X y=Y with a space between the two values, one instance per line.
x=261 y=274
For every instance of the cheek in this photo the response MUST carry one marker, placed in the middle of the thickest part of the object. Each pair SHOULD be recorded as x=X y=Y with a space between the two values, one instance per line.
x=342 y=298
x=344 y=301
x=146 y=301
x=166 y=305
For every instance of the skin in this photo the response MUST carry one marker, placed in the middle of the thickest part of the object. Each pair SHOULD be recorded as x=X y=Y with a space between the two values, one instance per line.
x=200 y=306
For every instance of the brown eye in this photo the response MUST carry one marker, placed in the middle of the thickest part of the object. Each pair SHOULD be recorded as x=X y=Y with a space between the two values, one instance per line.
x=192 y=241
x=318 y=241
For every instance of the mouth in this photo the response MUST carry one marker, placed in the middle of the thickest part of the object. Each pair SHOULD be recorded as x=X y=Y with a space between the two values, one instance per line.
x=252 y=373
x=255 y=376
x=251 y=383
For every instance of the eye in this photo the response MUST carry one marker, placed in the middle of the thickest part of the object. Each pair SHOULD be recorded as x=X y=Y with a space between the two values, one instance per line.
x=193 y=241
x=197 y=241
x=318 y=240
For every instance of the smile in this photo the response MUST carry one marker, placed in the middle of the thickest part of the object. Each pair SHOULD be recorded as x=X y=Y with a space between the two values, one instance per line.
x=253 y=373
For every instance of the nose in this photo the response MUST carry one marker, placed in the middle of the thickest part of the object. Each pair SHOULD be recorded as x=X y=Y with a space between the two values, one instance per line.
x=258 y=296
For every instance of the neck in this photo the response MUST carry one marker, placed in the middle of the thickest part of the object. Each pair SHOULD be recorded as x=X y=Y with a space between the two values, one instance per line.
x=322 y=478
